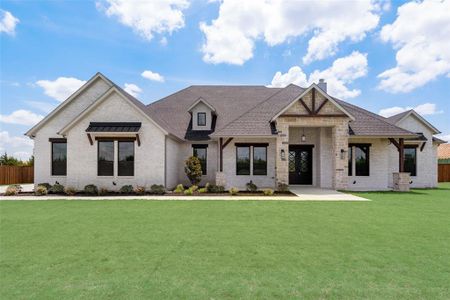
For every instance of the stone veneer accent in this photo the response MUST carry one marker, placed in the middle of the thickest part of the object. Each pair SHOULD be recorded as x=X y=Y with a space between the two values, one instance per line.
x=221 y=179
x=401 y=181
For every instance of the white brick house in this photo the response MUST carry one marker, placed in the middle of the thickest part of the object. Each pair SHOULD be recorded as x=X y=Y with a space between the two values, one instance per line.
x=292 y=135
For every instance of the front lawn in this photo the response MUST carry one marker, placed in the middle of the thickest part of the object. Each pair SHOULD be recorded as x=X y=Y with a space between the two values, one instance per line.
x=396 y=246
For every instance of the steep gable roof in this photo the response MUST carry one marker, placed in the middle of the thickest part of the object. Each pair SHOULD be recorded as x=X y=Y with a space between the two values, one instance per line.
x=396 y=119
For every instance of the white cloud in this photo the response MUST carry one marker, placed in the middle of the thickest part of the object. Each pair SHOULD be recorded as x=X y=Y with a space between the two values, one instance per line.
x=231 y=37
x=421 y=36
x=422 y=109
x=132 y=89
x=152 y=76
x=8 y=22
x=21 y=117
x=22 y=155
x=61 y=88
x=7 y=141
x=147 y=17
x=42 y=106
x=343 y=71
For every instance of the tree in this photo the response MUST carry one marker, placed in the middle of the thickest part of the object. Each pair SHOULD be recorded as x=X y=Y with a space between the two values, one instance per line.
x=193 y=170
x=6 y=160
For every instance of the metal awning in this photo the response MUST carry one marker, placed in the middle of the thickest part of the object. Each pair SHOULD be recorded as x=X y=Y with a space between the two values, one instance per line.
x=114 y=127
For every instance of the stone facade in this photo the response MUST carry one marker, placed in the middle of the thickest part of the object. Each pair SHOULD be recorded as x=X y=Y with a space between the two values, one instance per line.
x=401 y=181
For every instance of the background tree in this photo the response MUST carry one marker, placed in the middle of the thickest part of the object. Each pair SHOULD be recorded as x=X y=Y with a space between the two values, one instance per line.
x=6 y=160
x=193 y=170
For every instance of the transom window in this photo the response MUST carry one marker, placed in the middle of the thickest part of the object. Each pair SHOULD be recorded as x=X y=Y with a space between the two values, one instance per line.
x=59 y=157
x=201 y=119
x=251 y=157
x=359 y=158
x=410 y=160
x=200 y=151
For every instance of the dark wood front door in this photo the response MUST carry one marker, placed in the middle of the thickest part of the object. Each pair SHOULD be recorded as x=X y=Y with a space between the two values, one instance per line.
x=300 y=164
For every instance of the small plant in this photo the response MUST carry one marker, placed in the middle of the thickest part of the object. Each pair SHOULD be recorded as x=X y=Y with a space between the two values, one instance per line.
x=126 y=189
x=57 y=189
x=194 y=188
x=70 y=191
x=41 y=190
x=202 y=190
x=251 y=187
x=283 y=187
x=91 y=189
x=215 y=189
x=188 y=192
x=268 y=192
x=233 y=191
x=193 y=170
x=157 y=189
x=103 y=191
x=139 y=190
x=179 y=189
x=12 y=190
x=47 y=185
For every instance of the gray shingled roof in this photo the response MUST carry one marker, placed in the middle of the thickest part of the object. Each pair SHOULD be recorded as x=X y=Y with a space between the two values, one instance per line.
x=395 y=118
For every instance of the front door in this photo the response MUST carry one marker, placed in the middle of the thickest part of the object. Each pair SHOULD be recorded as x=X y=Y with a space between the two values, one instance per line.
x=300 y=164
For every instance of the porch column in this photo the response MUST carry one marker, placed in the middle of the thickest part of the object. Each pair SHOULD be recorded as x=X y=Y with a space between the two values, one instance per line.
x=340 y=156
x=282 y=154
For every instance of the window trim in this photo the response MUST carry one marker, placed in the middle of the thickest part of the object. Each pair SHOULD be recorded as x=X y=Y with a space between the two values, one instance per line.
x=253 y=159
x=198 y=119
x=415 y=157
x=118 y=155
x=249 y=160
x=98 y=154
x=56 y=141
x=202 y=146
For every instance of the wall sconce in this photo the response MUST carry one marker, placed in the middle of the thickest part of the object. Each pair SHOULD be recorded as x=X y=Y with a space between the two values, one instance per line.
x=283 y=154
x=342 y=153
x=303 y=138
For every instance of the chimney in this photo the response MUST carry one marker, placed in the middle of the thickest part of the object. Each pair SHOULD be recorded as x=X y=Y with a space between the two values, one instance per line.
x=322 y=84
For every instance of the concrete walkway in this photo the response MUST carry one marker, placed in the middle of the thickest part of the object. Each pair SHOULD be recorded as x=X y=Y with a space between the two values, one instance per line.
x=314 y=193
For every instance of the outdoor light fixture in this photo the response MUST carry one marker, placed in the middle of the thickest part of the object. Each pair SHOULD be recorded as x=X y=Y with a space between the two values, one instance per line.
x=283 y=154
x=303 y=136
x=342 y=153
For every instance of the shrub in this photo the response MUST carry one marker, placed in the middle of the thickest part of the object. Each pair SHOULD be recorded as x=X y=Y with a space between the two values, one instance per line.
x=283 y=187
x=233 y=191
x=91 y=189
x=12 y=190
x=202 y=190
x=70 y=191
x=126 y=189
x=194 y=188
x=268 y=192
x=215 y=189
x=47 y=185
x=41 y=190
x=157 y=189
x=188 y=192
x=103 y=191
x=57 y=189
x=193 y=170
x=139 y=190
x=251 y=187
x=179 y=189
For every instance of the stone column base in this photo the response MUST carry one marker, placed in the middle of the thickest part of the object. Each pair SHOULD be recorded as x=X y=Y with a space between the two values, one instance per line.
x=401 y=181
x=221 y=179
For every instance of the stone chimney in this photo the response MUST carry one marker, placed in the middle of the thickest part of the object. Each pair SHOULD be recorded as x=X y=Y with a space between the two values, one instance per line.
x=323 y=85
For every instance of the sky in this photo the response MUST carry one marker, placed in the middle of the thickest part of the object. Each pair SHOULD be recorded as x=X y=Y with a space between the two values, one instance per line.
x=384 y=56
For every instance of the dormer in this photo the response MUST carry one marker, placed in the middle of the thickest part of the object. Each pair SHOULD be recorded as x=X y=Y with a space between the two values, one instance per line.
x=201 y=114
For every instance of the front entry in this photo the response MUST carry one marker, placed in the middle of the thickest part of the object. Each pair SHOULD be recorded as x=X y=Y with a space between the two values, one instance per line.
x=300 y=164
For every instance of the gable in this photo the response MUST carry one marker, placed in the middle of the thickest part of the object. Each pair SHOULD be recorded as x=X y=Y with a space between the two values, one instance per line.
x=412 y=123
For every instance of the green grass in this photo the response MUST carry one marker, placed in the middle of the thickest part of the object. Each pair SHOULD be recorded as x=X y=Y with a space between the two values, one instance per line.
x=394 y=247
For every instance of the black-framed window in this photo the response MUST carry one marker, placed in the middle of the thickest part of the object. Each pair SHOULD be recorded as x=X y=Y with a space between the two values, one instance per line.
x=362 y=160
x=200 y=151
x=201 y=119
x=126 y=158
x=59 y=158
x=259 y=160
x=243 y=160
x=410 y=160
x=350 y=161
x=105 y=158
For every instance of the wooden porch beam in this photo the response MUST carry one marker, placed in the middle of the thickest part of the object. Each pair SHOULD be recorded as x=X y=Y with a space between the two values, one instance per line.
x=305 y=106
x=401 y=150
x=90 y=139
x=396 y=144
x=222 y=146
x=227 y=142
x=138 y=139
x=321 y=105
x=313 y=107
x=423 y=146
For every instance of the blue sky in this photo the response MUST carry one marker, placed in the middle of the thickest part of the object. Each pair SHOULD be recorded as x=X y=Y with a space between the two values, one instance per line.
x=49 y=48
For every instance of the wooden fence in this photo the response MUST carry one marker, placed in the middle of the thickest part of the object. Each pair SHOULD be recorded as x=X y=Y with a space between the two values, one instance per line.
x=444 y=172
x=13 y=174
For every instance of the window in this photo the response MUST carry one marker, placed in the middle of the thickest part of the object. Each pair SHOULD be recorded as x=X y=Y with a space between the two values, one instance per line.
x=350 y=161
x=243 y=160
x=199 y=151
x=105 y=158
x=259 y=160
x=409 y=160
x=201 y=119
x=126 y=158
x=362 y=160
x=59 y=158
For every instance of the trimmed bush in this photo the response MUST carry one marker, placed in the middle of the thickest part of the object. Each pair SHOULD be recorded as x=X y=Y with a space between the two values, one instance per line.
x=202 y=190
x=12 y=190
x=268 y=192
x=157 y=189
x=188 y=192
x=91 y=189
x=283 y=187
x=233 y=191
x=41 y=191
x=47 y=185
x=139 y=190
x=193 y=170
x=251 y=187
x=70 y=191
x=179 y=189
x=194 y=188
x=103 y=191
x=57 y=189
x=126 y=189
x=215 y=189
